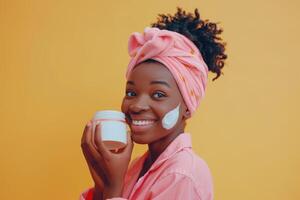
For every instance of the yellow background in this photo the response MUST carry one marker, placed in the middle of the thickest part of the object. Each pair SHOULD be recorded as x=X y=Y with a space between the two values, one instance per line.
x=61 y=60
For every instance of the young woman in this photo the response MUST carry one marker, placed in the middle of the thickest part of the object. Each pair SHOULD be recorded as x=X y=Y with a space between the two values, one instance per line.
x=166 y=80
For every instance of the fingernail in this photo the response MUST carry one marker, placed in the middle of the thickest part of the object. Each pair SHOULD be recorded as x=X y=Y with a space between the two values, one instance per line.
x=98 y=126
x=89 y=124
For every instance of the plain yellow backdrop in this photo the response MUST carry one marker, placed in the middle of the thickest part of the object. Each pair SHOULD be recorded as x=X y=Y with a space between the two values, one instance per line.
x=61 y=60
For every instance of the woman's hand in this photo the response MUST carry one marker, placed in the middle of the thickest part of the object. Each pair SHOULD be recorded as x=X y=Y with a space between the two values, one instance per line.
x=86 y=145
x=108 y=169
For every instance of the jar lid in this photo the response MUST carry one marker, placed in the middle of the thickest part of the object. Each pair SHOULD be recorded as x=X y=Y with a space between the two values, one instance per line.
x=109 y=114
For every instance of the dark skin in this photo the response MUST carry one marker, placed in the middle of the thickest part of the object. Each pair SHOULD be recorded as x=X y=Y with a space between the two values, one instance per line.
x=151 y=92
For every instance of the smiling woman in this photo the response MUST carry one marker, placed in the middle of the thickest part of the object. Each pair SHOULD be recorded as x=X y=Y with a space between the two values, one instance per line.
x=166 y=80
x=150 y=99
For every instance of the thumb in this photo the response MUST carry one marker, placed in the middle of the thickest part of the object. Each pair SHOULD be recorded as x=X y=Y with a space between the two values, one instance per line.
x=130 y=144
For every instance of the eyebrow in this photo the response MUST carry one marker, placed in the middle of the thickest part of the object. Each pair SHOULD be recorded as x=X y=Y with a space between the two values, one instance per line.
x=130 y=82
x=160 y=82
x=152 y=82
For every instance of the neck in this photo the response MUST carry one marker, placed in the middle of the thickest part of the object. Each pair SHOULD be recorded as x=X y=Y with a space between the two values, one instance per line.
x=157 y=147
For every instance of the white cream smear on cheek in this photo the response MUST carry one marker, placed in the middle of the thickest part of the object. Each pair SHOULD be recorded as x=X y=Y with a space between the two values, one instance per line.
x=171 y=118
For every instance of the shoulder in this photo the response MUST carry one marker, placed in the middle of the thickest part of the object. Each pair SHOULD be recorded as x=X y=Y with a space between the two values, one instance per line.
x=187 y=164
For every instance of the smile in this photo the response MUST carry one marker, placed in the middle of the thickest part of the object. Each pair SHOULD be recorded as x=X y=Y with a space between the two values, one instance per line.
x=142 y=122
x=140 y=126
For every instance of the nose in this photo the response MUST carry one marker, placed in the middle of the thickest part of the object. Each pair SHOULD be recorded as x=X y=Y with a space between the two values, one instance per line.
x=140 y=104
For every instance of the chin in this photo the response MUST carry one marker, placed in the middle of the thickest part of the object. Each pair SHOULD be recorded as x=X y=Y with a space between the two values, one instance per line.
x=140 y=142
x=141 y=138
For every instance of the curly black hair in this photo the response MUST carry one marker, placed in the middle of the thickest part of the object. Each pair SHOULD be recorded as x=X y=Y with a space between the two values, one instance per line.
x=204 y=34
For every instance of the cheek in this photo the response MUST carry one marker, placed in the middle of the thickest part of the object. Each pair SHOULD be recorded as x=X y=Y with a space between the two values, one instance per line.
x=161 y=111
x=168 y=109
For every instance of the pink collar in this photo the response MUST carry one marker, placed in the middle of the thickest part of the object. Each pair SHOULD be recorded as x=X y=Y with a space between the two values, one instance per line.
x=180 y=142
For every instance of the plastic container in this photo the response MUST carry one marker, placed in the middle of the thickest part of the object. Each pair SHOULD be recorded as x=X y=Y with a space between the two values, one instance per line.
x=113 y=128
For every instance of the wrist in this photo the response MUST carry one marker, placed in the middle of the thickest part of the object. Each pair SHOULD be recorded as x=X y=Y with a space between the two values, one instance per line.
x=113 y=191
x=97 y=195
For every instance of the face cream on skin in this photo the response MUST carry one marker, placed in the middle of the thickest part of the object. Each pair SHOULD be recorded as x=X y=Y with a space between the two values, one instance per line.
x=170 y=119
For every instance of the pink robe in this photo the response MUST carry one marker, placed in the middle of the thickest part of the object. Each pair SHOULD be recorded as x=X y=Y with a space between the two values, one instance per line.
x=178 y=173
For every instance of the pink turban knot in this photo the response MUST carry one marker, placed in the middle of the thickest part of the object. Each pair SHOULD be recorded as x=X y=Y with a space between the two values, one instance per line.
x=179 y=54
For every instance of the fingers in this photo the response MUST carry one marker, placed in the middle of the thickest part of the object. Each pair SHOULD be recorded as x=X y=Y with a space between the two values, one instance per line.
x=90 y=152
x=93 y=132
x=87 y=126
x=106 y=154
x=129 y=139
x=93 y=148
x=86 y=145
x=89 y=140
x=97 y=173
x=91 y=161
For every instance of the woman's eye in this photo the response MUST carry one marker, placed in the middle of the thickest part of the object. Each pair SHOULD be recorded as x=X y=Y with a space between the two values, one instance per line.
x=130 y=94
x=159 y=95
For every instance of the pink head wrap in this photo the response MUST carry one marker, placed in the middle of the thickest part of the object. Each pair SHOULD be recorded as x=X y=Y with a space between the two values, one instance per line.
x=179 y=54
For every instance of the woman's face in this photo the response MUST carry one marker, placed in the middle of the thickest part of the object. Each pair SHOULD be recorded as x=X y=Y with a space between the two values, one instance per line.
x=151 y=92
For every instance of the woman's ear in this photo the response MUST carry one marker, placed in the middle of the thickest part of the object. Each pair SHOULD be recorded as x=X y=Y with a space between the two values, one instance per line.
x=187 y=114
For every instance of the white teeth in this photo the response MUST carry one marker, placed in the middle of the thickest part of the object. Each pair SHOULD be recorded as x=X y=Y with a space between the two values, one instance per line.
x=142 y=122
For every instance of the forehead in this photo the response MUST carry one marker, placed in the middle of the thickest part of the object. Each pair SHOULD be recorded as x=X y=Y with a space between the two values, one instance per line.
x=151 y=71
